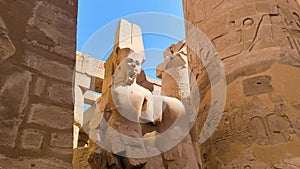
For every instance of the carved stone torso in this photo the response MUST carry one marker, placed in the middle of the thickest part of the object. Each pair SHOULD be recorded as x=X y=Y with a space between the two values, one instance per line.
x=131 y=100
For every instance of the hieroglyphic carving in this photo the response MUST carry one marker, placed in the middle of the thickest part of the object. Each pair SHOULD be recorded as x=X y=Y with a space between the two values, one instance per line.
x=252 y=123
x=291 y=26
x=252 y=27
x=247 y=161
x=249 y=37
x=244 y=161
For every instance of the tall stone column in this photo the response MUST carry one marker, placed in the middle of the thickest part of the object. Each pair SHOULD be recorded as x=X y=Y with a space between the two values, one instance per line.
x=259 y=45
x=37 y=60
x=174 y=74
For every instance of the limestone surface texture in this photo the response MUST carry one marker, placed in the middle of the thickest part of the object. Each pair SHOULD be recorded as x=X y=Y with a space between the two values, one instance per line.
x=37 y=60
x=44 y=85
x=258 y=45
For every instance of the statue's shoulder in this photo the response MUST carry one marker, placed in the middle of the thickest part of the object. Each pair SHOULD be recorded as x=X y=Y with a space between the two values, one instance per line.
x=141 y=89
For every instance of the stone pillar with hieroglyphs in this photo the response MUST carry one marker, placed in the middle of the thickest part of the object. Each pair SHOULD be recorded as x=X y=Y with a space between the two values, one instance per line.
x=259 y=45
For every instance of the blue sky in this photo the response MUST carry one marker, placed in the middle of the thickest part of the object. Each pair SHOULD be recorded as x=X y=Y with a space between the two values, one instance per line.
x=97 y=22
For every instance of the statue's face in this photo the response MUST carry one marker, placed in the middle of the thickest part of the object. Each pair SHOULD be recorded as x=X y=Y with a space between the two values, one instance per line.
x=134 y=65
x=131 y=63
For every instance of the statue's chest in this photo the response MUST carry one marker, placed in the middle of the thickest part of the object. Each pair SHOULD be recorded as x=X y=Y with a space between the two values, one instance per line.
x=136 y=97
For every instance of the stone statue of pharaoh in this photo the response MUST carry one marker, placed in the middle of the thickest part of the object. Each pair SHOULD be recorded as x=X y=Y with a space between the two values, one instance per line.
x=137 y=103
x=132 y=104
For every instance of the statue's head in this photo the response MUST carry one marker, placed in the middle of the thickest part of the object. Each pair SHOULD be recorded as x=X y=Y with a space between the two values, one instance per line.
x=130 y=63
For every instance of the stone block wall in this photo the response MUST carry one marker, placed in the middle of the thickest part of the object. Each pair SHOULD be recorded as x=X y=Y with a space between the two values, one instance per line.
x=258 y=44
x=37 y=62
